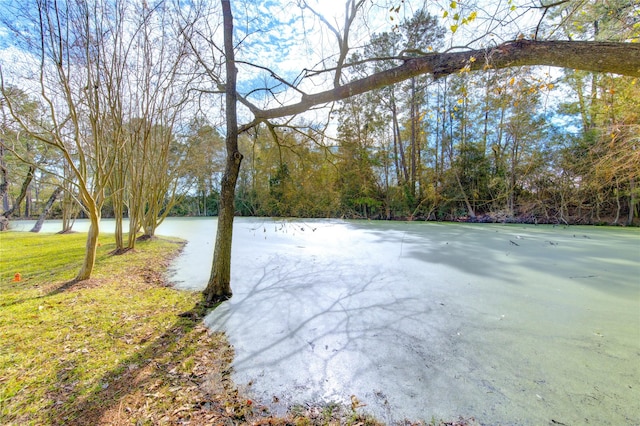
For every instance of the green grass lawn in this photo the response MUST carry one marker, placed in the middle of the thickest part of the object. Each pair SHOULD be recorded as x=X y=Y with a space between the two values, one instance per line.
x=72 y=347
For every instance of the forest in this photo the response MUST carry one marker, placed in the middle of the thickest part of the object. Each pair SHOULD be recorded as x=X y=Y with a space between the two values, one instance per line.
x=532 y=144
x=514 y=145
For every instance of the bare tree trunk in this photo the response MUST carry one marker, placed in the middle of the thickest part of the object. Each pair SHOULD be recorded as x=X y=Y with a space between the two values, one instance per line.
x=116 y=185
x=219 y=285
x=414 y=117
x=4 y=188
x=633 y=201
x=118 y=212
x=91 y=247
x=618 y=205
x=23 y=192
x=70 y=207
x=470 y=210
x=47 y=208
x=436 y=158
x=397 y=139
x=27 y=202
x=396 y=155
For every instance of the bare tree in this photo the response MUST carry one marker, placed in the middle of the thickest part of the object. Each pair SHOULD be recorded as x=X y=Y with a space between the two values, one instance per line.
x=219 y=286
x=113 y=87
x=23 y=148
x=66 y=42
x=153 y=96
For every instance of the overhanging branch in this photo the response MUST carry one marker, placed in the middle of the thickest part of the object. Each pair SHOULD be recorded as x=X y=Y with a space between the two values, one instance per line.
x=618 y=58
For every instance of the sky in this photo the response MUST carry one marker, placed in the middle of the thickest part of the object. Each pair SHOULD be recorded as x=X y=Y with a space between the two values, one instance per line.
x=287 y=38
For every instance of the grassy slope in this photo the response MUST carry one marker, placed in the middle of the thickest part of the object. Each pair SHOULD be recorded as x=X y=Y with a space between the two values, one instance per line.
x=64 y=343
x=114 y=349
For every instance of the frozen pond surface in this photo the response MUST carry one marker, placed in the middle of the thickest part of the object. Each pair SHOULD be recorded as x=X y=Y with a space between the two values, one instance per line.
x=510 y=324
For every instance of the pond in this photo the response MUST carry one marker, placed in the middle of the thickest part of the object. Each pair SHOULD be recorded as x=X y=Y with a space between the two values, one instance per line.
x=510 y=324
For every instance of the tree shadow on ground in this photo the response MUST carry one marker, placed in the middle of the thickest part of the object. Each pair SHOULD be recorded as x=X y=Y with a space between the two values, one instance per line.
x=68 y=285
x=158 y=372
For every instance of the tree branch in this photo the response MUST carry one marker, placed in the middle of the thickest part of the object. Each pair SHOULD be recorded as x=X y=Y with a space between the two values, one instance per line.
x=618 y=58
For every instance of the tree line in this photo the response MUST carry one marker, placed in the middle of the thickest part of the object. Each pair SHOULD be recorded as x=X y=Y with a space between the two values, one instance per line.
x=494 y=147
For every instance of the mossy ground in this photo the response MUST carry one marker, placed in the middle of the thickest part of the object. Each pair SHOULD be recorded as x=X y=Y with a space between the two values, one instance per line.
x=121 y=348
